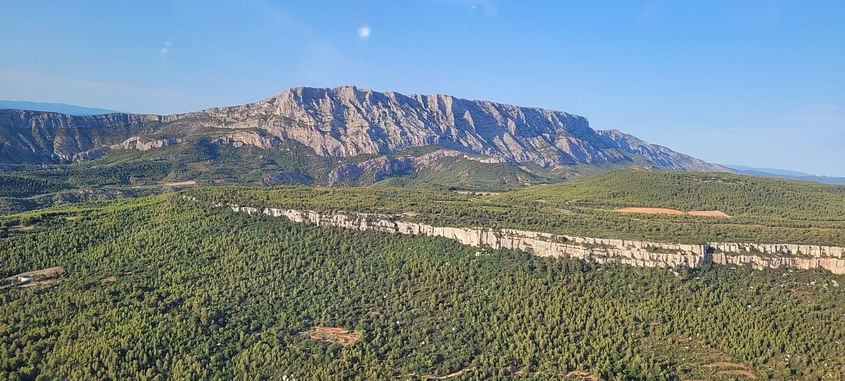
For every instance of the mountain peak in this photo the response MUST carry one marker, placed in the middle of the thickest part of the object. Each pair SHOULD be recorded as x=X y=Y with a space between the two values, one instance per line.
x=349 y=121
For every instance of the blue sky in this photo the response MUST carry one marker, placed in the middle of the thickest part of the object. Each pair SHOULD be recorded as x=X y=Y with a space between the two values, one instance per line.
x=760 y=83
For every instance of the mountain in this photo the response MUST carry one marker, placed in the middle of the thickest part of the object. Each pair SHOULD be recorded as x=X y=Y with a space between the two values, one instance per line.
x=363 y=130
x=53 y=107
x=786 y=174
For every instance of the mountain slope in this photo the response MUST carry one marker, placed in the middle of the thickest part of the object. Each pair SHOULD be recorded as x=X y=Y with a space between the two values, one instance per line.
x=343 y=122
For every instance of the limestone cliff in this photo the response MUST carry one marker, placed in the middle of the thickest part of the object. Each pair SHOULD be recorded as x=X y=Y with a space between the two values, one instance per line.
x=601 y=250
x=344 y=122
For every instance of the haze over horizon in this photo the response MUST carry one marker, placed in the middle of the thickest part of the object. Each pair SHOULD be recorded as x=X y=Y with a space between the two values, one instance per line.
x=759 y=83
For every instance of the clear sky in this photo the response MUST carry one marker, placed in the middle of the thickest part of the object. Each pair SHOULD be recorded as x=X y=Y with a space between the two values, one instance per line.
x=759 y=83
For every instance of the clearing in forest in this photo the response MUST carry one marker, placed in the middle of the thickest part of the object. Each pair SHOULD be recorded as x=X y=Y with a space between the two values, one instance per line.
x=708 y=213
x=108 y=280
x=332 y=335
x=36 y=278
x=48 y=272
x=699 y=213
x=188 y=183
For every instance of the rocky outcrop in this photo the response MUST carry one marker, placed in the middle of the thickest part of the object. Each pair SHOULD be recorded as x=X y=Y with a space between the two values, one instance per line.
x=382 y=167
x=44 y=137
x=601 y=250
x=132 y=143
x=758 y=256
x=141 y=144
x=634 y=253
x=834 y=265
x=239 y=139
x=346 y=122
x=779 y=249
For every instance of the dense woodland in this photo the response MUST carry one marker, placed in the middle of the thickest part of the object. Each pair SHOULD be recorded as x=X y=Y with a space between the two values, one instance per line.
x=736 y=195
x=156 y=287
x=205 y=293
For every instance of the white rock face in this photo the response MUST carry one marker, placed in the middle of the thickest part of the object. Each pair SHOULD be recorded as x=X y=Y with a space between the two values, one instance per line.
x=635 y=253
x=780 y=249
x=601 y=250
x=344 y=122
x=141 y=144
x=348 y=121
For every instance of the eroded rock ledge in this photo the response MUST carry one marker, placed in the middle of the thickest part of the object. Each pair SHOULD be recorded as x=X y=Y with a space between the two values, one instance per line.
x=601 y=250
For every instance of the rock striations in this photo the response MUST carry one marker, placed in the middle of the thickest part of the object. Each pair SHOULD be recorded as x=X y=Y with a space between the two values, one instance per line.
x=345 y=122
x=601 y=250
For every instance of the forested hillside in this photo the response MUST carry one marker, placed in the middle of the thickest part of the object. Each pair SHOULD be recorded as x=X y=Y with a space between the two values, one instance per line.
x=759 y=210
x=736 y=195
x=156 y=287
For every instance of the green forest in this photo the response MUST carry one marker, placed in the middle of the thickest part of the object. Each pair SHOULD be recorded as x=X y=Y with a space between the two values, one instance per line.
x=128 y=280
x=760 y=210
x=159 y=288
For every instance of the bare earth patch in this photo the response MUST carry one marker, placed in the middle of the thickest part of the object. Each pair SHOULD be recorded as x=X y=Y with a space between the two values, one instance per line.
x=708 y=213
x=21 y=228
x=649 y=210
x=50 y=271
x=699 y=213
x=110 y=279
x=36 y=278
x=189 y=183
x=39 y=283
x=332 y=335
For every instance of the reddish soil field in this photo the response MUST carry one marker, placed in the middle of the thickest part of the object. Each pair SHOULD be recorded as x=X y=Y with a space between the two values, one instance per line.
x=332 y=335
x=699 y=213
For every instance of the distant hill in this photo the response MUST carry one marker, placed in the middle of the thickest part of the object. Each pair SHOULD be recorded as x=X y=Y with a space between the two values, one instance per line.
x=53 y=107
x=786 y=174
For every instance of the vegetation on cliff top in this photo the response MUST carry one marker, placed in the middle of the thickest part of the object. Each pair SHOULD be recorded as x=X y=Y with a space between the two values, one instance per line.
x=797 y=213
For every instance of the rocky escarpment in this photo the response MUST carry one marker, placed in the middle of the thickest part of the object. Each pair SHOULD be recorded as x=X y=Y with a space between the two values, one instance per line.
x=780 y=255
x=382 y=167
x=132 y=143
x=44 y=137
x=601 y=250
x=345 y=122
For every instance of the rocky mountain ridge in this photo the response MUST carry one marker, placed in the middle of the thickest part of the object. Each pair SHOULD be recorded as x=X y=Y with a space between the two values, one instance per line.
x=601 y=250
x=342 y=122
